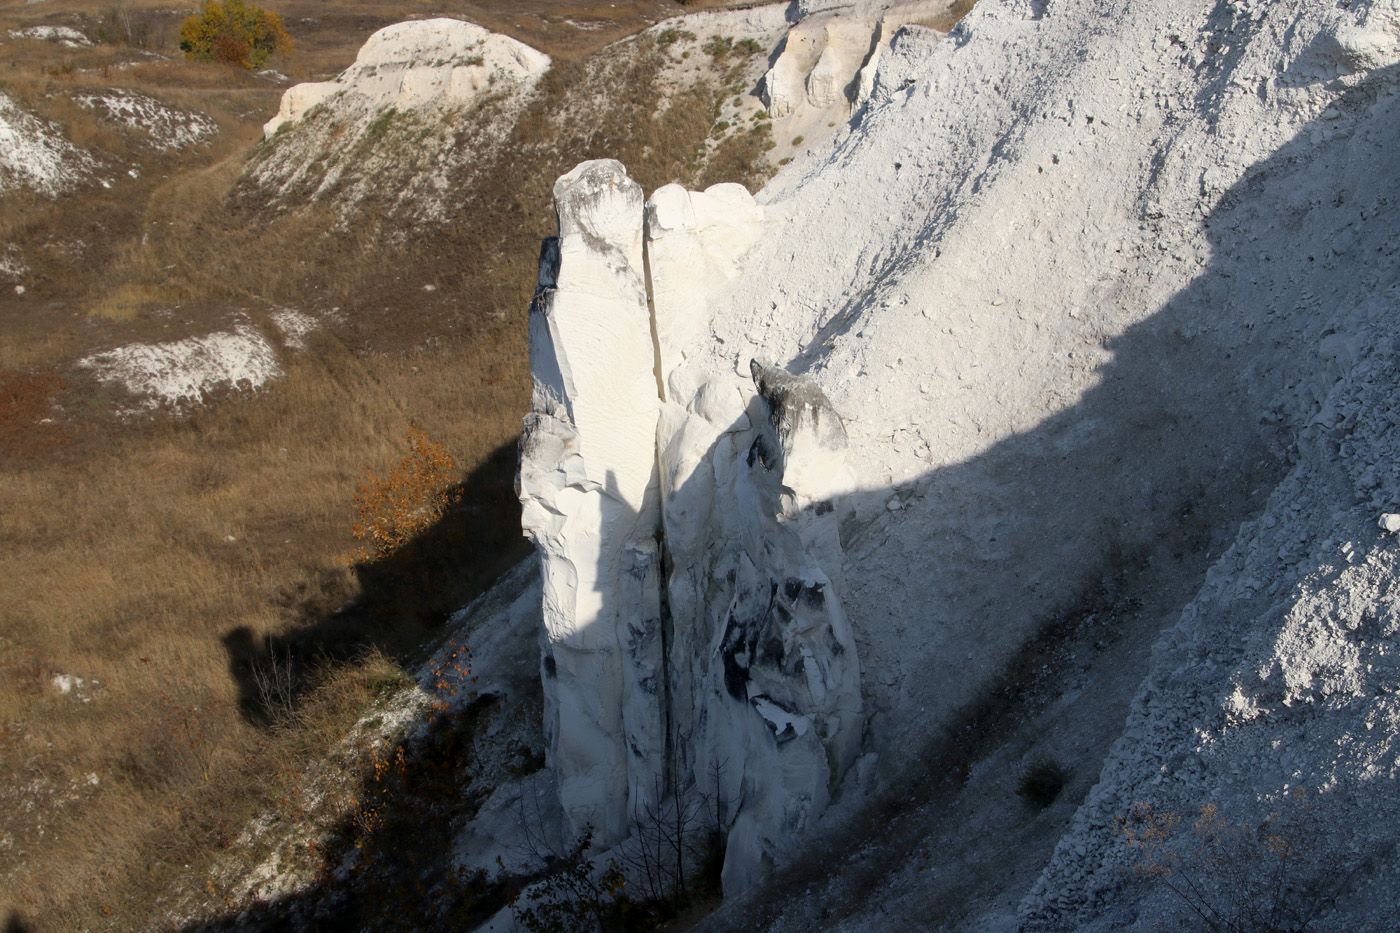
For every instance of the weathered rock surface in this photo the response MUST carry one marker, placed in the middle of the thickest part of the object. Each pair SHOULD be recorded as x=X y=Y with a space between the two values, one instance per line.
x=694 y=244
x=827 y=62
x=741 y=687
x=588 y=483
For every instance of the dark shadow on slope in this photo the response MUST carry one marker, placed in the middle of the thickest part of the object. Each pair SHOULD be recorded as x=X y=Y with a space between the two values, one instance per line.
x=1113 y=508
x=403 y=598
x=377 y=866
x=387 y=864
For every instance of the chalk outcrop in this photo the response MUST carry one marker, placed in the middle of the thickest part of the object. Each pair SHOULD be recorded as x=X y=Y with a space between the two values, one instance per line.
x=694 y=637
x=441 y=62
x=828 y=59
x=424 y=104
x=588 y=483
x=1106 y=295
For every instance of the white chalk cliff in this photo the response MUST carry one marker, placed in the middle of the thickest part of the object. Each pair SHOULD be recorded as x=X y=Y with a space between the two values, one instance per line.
x=695 y=639
x=1105 y=297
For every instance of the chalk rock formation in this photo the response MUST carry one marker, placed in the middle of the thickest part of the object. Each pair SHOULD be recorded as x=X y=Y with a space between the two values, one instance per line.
x=588 y=486
x=829 y=57
x=694 y=243
x=737 y=681
x=444 y=91
x=763 y=668
x=413 y=64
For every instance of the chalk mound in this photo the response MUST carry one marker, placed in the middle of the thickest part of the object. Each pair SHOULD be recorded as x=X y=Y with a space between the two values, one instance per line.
x=442 y=62
x=425 y=104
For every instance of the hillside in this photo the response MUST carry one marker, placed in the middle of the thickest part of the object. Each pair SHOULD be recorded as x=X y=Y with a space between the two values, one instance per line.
x=990 y=524
x=195 y=383
x=1103 y=295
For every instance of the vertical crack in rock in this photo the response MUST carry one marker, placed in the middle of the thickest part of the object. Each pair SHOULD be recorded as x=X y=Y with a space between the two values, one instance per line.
x=735 y=677
x=651 y=311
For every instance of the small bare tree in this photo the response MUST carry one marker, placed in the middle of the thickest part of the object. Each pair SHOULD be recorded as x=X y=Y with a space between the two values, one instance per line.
x=274 y=682
x=673 y=837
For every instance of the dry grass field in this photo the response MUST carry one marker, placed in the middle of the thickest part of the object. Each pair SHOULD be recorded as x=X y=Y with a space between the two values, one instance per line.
x=146 y=561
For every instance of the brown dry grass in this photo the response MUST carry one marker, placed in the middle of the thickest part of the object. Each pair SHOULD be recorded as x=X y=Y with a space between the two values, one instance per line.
x=148 y=557
x=130 y=557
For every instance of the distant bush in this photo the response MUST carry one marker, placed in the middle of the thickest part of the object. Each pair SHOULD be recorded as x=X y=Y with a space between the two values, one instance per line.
x=234 y=33
x=673 y=35
x=122 y=25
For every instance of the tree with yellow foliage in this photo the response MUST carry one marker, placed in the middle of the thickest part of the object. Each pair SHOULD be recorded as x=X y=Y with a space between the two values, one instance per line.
x=234 y=33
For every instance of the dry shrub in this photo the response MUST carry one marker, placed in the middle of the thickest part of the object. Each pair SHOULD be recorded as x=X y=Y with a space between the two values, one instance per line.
x=1273 y=877
x=395 y=509
x=1041 y=783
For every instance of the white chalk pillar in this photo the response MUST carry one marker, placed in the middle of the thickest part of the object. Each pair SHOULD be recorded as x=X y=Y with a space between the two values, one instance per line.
x=588 y=485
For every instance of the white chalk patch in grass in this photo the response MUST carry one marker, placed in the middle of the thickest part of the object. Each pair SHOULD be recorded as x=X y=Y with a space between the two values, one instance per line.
x=183 y=372
x=10 y=265
x=34 y=154
x=77 y=687
x=66 y=36
x=294 y=326
x=169 y=127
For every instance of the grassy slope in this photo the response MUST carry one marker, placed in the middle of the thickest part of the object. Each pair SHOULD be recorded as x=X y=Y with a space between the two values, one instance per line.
x=136 y=553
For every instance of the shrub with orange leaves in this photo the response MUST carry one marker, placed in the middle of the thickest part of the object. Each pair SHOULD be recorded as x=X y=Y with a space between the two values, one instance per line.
x=1273 y=877
x=394 y=509
x=234 y=33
